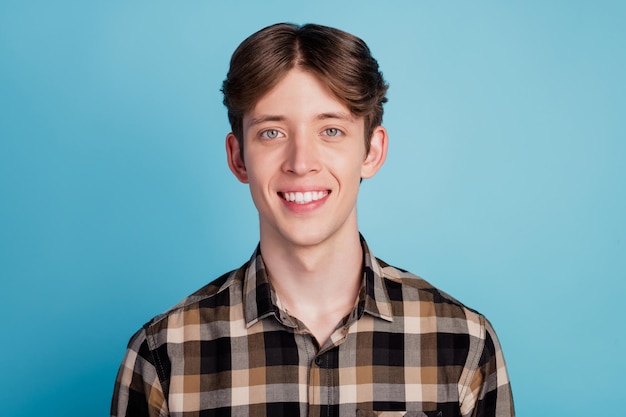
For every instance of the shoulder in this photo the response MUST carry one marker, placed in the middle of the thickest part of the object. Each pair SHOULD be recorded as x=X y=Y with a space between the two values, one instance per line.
x=148 y=349
x=413 y=296
x=224 y=291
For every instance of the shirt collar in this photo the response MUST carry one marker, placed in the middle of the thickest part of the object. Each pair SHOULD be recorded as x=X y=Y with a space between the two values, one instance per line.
x=375 y=298
x=259 y=298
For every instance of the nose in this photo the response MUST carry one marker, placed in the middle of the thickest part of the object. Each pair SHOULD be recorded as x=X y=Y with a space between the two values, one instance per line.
x=302 y=155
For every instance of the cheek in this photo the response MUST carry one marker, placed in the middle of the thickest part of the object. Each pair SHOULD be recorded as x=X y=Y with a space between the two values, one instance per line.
x=345 y=164
x=354 y=166
x=261 y=175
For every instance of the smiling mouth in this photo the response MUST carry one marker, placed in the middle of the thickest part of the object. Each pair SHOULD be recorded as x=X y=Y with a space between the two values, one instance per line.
x=305 y=197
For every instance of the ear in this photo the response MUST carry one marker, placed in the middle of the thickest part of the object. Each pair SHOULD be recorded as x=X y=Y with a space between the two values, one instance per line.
x=377 y=154
x=235 y=162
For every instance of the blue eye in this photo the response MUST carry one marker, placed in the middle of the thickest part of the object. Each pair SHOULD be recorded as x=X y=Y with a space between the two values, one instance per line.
x=270 y=134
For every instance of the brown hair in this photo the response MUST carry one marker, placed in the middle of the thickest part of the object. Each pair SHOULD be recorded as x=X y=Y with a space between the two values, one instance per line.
x=343 y=61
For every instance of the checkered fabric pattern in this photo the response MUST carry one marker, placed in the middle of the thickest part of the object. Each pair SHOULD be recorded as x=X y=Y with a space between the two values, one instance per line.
x=407 y=349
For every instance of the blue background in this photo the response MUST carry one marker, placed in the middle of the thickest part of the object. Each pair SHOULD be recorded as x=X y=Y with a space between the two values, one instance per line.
x=504 y=185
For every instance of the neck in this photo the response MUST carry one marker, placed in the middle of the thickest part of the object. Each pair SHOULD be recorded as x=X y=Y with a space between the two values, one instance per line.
x=318 y=284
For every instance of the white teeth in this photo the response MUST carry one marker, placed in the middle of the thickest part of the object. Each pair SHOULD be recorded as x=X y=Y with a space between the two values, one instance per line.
x=304 y=197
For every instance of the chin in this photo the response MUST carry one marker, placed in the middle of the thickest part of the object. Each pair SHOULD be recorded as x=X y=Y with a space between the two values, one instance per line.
x=305 y=238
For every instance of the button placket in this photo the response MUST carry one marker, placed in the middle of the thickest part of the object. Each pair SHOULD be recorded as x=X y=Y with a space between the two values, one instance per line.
x=319 y=361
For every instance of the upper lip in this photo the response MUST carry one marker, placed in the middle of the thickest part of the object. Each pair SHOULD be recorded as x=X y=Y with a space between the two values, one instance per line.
x=302 y=189
x=286 y=188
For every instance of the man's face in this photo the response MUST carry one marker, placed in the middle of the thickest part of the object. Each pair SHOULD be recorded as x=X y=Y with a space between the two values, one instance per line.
x=304 y=156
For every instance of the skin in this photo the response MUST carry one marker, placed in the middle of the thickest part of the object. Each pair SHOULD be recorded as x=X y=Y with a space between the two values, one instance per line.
x=299 y=138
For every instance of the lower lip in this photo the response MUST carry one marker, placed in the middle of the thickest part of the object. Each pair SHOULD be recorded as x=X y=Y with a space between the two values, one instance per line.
x=306 y=207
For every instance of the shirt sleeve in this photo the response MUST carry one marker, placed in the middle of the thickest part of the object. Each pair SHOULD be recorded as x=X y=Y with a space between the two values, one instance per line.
x=138 y=391
x=489 y=391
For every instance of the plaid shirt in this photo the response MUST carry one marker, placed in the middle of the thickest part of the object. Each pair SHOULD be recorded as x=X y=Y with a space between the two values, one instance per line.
x=407 y=349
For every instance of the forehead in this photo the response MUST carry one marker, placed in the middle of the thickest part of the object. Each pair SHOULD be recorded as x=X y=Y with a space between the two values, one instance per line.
x=299 y=93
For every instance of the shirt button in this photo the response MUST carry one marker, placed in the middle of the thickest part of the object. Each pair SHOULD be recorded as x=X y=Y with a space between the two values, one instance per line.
x=319 y=361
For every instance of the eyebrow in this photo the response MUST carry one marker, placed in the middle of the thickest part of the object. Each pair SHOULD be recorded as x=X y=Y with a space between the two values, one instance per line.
x=339 y=115
x=267 y=118
x=322 y=116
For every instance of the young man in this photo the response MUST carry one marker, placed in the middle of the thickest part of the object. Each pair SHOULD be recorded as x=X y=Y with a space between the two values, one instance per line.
x=313 y=324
